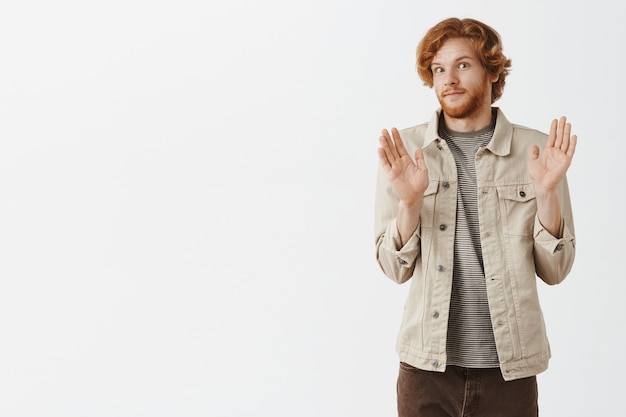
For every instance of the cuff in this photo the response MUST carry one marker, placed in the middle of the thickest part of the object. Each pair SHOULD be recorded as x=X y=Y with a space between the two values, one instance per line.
x=406 y=254
x=546 y=240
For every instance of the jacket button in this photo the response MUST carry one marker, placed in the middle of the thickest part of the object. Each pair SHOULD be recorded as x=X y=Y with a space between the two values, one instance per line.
x=435 y=314
x=559 y=246
x=402 y=261
x=434 y=363
x=439 y=268
x=445 y=184
x=442 y=227
x=522 y=194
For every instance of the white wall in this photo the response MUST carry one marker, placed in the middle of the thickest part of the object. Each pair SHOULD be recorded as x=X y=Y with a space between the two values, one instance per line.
x=186 y=201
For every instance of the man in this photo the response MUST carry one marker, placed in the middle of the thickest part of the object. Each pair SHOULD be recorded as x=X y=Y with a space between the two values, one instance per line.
x=472 y=219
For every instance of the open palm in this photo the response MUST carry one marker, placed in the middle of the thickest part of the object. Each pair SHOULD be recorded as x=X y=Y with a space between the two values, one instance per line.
x=548 y=168
x=408 y=179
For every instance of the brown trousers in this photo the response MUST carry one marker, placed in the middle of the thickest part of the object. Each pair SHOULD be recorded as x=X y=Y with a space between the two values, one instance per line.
x=464 y=392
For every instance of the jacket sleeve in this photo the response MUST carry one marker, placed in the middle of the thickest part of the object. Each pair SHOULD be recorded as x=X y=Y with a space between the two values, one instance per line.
x=396 y=261
x=554 y=256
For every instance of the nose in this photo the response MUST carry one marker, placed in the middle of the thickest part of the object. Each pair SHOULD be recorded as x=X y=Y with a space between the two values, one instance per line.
x=450 y=78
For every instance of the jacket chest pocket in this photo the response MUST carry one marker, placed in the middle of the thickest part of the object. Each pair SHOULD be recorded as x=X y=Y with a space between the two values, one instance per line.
x=518 y=208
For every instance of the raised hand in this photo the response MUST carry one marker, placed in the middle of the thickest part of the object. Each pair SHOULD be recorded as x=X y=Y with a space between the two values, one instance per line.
x=548 y=168
x=409 y=179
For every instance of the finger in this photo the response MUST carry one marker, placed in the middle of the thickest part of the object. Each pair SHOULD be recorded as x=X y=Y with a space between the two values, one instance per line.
x=552 y=134
x=566 y=137
x=386 y=142
x=398 y=142
x=392 y=147
x=385 y=134
x=572 y=146
x=559 y=134
x=419 y=159
x=384 y=137
x=384 y=161
x=385 y=151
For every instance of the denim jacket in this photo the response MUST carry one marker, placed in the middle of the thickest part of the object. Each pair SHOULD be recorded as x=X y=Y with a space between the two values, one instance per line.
x=516 y=249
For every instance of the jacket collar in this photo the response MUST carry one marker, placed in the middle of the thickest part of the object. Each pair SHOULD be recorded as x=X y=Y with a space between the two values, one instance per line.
x=500 y=144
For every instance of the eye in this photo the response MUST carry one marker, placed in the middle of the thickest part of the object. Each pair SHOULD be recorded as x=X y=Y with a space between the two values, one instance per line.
x=437 y=70
x=463 y=65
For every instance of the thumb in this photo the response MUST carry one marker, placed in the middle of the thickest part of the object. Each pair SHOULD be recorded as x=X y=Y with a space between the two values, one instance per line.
x=419 y=159
x=534 y=152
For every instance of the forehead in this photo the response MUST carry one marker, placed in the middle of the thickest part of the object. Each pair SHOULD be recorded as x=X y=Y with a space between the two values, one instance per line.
x=455 y=49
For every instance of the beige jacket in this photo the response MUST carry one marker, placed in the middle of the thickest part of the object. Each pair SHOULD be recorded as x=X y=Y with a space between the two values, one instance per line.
x=516 y=249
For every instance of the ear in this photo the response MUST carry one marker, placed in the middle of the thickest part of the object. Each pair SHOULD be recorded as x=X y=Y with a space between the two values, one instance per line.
x=494 y=78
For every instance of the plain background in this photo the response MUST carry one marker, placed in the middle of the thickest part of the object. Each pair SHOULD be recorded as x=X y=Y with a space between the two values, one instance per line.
x=186 y=201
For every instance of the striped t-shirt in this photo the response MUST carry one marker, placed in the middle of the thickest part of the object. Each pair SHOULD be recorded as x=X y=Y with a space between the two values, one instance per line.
x=470 y=341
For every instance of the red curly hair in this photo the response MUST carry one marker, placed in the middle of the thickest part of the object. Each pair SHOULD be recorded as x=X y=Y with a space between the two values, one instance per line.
x=485 y=39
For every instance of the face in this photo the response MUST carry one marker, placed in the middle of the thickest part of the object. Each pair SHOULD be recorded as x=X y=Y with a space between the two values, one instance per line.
x=461 y=83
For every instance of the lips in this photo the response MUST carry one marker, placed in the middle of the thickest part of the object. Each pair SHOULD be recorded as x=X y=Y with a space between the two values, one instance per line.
x=452 y=93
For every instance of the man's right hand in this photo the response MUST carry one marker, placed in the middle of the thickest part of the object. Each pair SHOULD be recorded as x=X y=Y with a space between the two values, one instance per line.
x=408 y=179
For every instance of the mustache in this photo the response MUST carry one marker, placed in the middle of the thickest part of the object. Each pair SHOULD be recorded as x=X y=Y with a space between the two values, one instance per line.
x=452 y=90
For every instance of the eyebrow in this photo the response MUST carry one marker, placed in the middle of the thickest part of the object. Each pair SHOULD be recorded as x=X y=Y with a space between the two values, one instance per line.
x=461 y=58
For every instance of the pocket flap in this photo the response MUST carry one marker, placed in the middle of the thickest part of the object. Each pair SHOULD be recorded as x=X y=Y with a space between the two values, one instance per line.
x=520 y=192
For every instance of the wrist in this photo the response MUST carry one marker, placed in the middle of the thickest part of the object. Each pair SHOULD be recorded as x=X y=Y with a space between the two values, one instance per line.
x=542 y=193
x=411 y=205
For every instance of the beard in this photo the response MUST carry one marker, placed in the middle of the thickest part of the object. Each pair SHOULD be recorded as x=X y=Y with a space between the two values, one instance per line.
x=463 y=109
